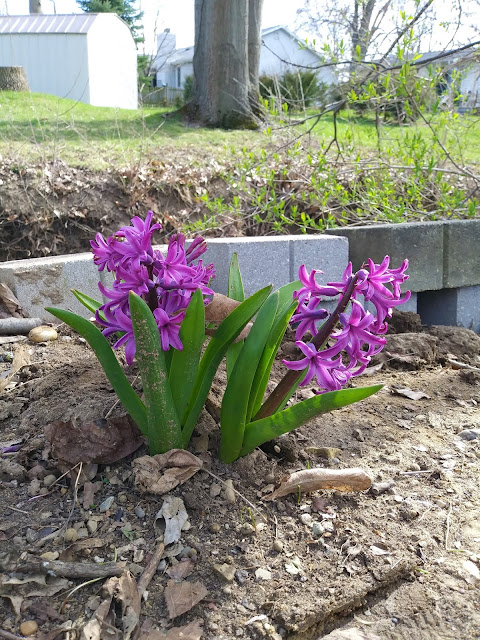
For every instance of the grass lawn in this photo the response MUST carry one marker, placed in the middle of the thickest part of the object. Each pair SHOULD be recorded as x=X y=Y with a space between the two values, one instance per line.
x=39 y=126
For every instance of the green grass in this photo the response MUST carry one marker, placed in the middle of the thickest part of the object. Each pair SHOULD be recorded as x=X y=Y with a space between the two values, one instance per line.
x=37 y=126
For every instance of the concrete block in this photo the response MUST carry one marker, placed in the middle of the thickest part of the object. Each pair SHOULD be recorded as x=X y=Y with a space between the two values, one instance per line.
x=461 y=266
x=451 y=307
x=421 y=243
x=327 y=253
x=262 y=261
x=41 y=282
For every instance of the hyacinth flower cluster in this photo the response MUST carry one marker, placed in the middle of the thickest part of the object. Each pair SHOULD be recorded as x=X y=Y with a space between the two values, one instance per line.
x=166 y=283
x=333 y=356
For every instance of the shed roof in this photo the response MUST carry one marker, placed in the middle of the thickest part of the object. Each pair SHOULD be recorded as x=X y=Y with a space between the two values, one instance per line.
x=41 y=23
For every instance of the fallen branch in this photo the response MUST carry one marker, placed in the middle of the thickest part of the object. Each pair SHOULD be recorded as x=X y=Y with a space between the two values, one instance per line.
x=309 y=480
x=461 y=365
x=16 y=326
x=150 y=569
x=73 y=570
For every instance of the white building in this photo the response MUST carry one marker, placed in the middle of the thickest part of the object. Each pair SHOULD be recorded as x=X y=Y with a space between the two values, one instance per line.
x=281 y=51
x=88 y=57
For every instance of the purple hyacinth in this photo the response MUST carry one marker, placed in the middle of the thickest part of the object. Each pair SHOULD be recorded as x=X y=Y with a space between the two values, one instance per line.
x=166 y=283
x=348 y=350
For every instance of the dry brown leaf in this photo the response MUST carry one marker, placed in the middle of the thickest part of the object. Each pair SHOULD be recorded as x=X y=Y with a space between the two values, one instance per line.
x=9 y=303
x=161 y=473
x=16 y=589
x=20 y=359
x=409 y=393
x=183 y=596
x=101 y=442
x=89 y=491
x=309 y=480
x=70 y=553
x=181 y=570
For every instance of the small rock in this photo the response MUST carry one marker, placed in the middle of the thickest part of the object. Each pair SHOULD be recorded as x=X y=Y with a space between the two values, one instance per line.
x=10 y=470
x=318 y=529
x=122 y=497
x=325 y=452
x=229 y=492
x=106 y=504
x=215 y=527
x=277 y=545
x=225 y=571
x=188 y=552
x=17 y=541
x=94 y=602
x=82 y=532
x=49 y=480
x=139 y=512
x=92 y=526
x=31 y=536
x=241 y=576
x=358 y=435
x=29 y=627
x=306 y=518
x=135 y=568
x=469 y=434
x=70 y=535
x=34 y=487
x=263 y=574
x=42 y=334
x=408 y=512
x=215 y=489
x=36 y=472
x=49 y=556
x=200 y=444
x=247 y=529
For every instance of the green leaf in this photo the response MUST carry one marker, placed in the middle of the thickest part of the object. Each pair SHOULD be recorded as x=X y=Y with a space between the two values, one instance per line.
x=236 y=292
x=184 y=364
x=109 y=362
x=264 y=368
x=226 y=333
x=88 y=302
x=164 y=431
x=261 y=431
x=236 y=397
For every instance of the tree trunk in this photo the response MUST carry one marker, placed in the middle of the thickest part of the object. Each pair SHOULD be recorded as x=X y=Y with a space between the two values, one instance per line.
x=35 y=6
x=225 y=70
x=13 y=79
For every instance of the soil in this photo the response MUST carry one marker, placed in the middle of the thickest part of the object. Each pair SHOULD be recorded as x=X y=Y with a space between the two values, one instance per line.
x=401 y=560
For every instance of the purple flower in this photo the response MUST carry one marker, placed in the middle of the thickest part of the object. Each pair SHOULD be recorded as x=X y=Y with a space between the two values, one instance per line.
x=169 y=328
x=357 y=333
x=331 y=375
x=307 y=315
x=310 y=287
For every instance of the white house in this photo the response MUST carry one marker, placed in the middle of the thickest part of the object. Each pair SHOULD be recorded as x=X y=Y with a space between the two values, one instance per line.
x=281 y=51
x=88 y=57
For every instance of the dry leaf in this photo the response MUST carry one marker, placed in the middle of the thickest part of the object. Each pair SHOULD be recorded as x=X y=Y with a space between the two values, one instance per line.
x=9 y=304
x=70 y=553
x=191 y=631
x=309 y=480
x=408 y=393
x=161 y=473
x=183 y=596
x=101 y=442
x=89 y=491
x=181 y=570
x=20 y=359
x=16 y=589
x=175 y=515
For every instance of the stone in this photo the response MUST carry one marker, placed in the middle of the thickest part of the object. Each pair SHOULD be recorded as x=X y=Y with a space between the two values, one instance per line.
x=453 y=307
x=106 y=504
x=318 y=529
x=50 y=556
x=70 y=535
x=92 y=526
x=469 y=434
x=49 y=480
x=247 y=529
x=277 y=545
x=122 y=498
x=306 y=518
x=263 y=574
x=215 y=527
x=215 y=489
x=42 y=334
x=139 y=512
x=10 y=470
x=225 y=571
x=28 y=628
x=229 y=492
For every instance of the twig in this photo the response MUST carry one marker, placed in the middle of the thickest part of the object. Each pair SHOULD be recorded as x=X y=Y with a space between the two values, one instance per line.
x=462 y=365
x=447 y=531
x=150 y=569
x=10 y=636
x=415 y=473
x=15 y=326
x=74 y=570
x=250 y=504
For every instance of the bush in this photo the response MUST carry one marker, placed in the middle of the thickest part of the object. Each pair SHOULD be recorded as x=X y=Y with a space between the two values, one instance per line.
x=298 y=90
x=188 y=88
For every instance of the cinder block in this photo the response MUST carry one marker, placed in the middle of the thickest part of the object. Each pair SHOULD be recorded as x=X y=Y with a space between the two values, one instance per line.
x=451 y=307
x=327 y=253
x=262 y=261
x=461 y=266
x=421 y=243
x=42 y=282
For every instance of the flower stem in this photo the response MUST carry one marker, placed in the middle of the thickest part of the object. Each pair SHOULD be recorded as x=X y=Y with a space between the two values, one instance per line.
x=291 y=378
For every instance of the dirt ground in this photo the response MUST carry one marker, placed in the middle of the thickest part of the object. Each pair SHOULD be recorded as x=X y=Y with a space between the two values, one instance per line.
x=399 y=561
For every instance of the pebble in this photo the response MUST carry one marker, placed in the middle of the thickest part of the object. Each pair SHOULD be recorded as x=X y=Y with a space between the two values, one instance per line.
x=92 y=526
x=49 y=556
x=106 y=504
x=306 y=518
x=49 y=480
x=70 y=535
x=135 y=568
x=31 y=536
x=318 y=529
x=139 y=512
x=215 y=489
x=241 y=576
x=263 y=574
x=215 y=527
x=378 y=488
x=82 y=532
x=225 y=571
x=122 y=497
x=94 y=602
x=358 y=435
x=469 y=434
x=42 y=334
x=277 y=545
x=229 y=492
x=28 y=628
x=247 y=529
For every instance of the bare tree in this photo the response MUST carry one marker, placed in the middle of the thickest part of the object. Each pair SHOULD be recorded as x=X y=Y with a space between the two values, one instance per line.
x=35 y=6
x=225 y=62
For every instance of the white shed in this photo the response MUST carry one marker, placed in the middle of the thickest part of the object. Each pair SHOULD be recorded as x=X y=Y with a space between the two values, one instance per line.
x=88 y=57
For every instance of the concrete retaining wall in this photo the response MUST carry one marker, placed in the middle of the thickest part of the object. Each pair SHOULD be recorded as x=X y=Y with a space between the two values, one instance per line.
x=444 y=267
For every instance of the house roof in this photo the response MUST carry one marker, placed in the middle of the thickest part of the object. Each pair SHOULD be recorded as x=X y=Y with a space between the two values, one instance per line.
x=181 y=56
x=41 y=23
x=293 y=36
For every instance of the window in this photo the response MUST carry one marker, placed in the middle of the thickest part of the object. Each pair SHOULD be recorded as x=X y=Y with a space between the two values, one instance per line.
x=179 y=77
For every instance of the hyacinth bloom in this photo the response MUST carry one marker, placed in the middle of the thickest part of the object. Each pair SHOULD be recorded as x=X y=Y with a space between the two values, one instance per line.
x=347 y=351
x=166 y=283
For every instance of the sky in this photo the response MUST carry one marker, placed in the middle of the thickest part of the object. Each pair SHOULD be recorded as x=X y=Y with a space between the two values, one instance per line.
x=162 y=14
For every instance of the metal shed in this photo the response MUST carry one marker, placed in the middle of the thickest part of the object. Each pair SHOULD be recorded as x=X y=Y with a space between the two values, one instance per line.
x=87 y=57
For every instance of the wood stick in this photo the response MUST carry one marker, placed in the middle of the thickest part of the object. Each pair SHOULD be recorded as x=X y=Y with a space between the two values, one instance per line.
x=150 y=569
x=10 y=636
x=69 y=569
x=309 y=480
x=15 y=326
